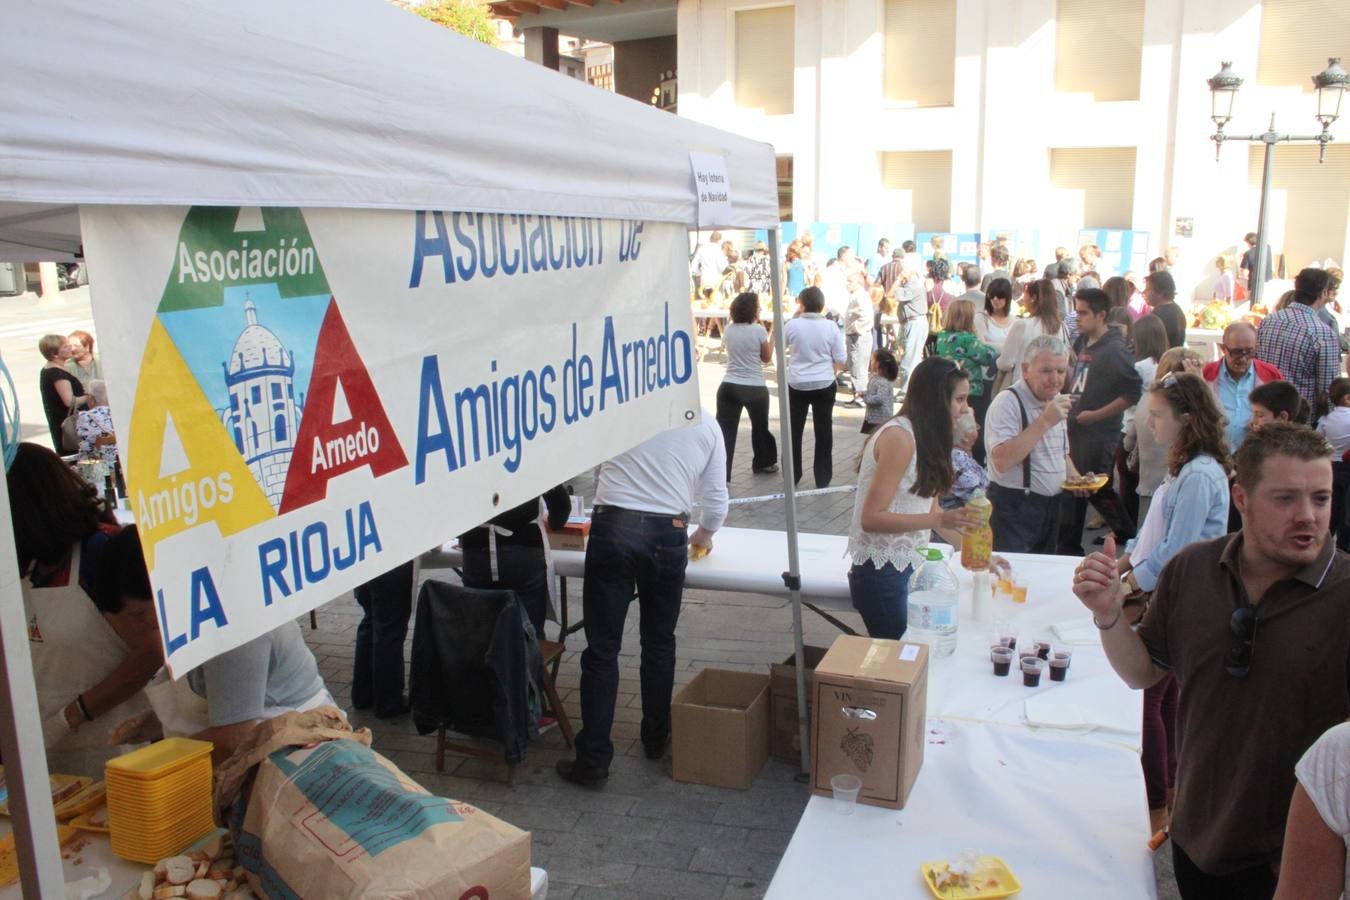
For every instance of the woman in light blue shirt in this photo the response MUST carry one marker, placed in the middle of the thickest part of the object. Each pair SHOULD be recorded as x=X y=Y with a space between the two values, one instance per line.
x=1190 y=505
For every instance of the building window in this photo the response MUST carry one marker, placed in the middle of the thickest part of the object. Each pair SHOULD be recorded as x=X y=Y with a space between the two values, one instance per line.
x=764 y=59
x=920 y=188
x=920 y=52
x=1099 y=48
x=1309 y=213
x=276 y=390
x=1092 y=187
x=279 y=430
x=253 y=430
x=783 y=165
x=234 y=401
x=602 y=76
x=1297 y=37
x=238 y=439
x=257 y=395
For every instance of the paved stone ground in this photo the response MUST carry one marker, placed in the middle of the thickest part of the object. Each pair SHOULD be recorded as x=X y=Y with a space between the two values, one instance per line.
x=643 y=834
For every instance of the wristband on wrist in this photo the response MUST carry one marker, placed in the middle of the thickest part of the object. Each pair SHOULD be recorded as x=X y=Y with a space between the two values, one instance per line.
x=1100 y=627
x=84 y=711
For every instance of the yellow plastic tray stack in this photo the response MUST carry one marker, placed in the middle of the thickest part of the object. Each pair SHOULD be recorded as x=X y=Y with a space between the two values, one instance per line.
x=159 y=799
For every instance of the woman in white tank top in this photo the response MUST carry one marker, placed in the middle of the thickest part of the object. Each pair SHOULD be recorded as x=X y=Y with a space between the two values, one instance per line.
x=906 y=466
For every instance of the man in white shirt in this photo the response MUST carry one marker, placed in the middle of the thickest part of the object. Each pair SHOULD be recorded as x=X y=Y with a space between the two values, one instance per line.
x=1029 y=451
x=835 y=284
x=709 y=263
x=882 y=258
x=638 y=540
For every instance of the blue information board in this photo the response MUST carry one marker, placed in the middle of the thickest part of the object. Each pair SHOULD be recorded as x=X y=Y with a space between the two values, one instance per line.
x=1122 y=250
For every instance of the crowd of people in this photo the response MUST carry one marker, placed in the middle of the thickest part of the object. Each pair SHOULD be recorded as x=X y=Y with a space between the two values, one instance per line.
x=1224 y=509
x=1223 y=505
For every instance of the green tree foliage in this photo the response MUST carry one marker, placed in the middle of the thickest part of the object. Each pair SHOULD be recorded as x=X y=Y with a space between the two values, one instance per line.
x=469 y=18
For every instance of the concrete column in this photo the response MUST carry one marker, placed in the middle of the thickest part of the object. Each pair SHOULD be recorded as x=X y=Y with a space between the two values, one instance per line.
x=47 y=274
x=541 y=46
x=805 y=128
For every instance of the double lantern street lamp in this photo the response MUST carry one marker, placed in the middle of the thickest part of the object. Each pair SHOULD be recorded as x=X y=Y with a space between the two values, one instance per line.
x=1331 y=84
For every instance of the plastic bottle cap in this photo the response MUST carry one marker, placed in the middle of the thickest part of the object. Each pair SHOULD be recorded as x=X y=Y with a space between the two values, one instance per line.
x=933 y=553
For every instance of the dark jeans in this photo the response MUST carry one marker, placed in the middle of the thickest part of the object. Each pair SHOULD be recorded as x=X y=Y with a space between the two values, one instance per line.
x=377 y=673
x=520 y=569
x=754 y=399
x=1093 y=452
x=979 y=406
x=880 y=596
x=1159 y=756
x=1024 y=522
x=1255 y=883
x=1129 y=486
x=629 y=550
x=1340 y=503
x=821 y=405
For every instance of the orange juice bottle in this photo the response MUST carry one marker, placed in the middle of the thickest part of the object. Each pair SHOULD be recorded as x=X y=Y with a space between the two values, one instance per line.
x=977 y=540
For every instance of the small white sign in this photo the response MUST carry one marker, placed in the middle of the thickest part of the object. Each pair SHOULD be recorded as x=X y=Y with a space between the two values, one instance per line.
x=909 y=652
x=713 y=188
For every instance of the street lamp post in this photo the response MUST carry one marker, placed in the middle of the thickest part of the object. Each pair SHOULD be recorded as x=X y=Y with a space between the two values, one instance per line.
x=1331 y=84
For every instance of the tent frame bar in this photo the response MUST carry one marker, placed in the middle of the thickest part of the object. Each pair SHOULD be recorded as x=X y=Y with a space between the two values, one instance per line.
x=792 y=578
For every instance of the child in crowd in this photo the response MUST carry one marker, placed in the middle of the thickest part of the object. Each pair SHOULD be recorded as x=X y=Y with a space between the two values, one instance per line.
x=1336 y=423
x=967 y=474
x=1274 y=401
x=881 y=386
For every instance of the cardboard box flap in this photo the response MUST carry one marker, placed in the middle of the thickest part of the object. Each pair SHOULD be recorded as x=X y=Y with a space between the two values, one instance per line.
x=870 y=659
x=717 y=689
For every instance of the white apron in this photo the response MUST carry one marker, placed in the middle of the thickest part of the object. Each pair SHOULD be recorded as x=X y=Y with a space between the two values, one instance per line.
x=74 y=648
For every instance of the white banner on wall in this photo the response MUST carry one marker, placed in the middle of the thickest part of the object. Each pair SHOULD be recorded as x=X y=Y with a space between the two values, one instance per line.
x=307 y=398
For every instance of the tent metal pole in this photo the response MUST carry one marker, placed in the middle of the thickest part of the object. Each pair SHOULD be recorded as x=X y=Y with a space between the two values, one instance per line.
x=792 y=577
x=30 y=799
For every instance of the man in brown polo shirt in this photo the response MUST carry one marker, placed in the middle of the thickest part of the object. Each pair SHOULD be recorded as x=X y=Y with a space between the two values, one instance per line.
x=1256 y=626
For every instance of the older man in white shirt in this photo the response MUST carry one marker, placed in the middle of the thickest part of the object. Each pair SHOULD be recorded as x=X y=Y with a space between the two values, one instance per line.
x=643 y=502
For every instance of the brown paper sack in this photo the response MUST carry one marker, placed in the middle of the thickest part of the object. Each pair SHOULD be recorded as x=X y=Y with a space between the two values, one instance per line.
x=316 y=813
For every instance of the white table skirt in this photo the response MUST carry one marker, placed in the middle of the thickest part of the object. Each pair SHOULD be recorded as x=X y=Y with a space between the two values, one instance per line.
x=1068 y=817
x=961 y=686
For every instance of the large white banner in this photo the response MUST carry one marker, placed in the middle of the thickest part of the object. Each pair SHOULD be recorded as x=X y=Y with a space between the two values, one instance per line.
x=306 y=398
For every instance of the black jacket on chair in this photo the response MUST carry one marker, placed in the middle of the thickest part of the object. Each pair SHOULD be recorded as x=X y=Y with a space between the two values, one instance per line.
x=474 y=666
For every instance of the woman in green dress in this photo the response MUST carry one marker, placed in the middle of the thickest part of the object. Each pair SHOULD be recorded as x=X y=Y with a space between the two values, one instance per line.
x=959 y=343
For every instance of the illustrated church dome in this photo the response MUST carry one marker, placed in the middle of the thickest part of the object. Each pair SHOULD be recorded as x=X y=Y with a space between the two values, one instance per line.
x=257 y=347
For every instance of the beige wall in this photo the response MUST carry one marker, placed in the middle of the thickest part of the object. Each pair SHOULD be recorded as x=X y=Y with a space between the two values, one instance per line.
x=1007 y=115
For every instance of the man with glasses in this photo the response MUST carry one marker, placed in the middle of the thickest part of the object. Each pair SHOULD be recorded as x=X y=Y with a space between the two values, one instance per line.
x=1254 y=627
x=1233 y=378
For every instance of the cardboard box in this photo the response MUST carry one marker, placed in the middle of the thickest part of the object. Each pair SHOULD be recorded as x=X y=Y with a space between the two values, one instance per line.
x=571 y=536
x=784 y=737
x=868 y=717
x=719 y=725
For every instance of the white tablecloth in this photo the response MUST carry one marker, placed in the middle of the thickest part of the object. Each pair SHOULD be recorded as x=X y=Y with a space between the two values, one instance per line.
x=1068 y=817
x=126 y=875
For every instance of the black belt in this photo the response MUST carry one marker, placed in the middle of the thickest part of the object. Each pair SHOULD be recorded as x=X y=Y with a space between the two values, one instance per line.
x=677 y=520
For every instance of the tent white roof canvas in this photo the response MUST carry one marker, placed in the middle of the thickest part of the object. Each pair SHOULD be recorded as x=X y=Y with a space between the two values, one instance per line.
x=351 y=103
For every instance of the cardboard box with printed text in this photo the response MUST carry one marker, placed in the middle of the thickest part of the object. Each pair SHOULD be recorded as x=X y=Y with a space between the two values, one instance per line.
x=868 y=717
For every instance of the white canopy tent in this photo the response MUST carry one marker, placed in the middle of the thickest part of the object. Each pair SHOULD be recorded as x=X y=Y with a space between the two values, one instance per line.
x=346 y=104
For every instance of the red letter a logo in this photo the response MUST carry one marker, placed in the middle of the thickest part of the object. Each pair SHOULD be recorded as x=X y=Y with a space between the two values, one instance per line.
x=344 y=426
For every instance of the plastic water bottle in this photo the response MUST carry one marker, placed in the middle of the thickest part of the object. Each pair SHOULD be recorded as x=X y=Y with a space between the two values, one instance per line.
x=932 y=606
